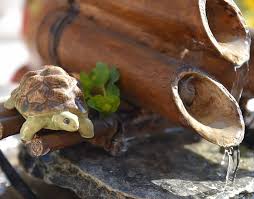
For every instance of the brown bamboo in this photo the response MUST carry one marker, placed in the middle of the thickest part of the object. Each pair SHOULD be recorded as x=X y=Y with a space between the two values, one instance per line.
x=109 y=132
x=164 y=29
x=145 y=73
x=111 y=135
x=176 y=26
x=10 y=122
x=179 y=29
x=34 y=12
x=10 y=126
x=41 y=145
x=214 y=27
x=7 y=113
x=47 y=141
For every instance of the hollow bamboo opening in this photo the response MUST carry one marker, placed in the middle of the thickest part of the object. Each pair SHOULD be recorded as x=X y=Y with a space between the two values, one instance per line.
x=226 y=28
x=208 y=108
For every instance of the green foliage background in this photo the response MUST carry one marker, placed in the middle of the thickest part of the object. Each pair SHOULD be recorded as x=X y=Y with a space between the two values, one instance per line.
x=247 y=8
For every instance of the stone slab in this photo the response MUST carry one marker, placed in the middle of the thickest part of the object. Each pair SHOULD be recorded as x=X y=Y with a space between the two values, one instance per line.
x=174 y=165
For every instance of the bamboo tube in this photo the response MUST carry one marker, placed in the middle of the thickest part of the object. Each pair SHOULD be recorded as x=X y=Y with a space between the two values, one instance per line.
x=47 y=141
x=10 y=122
x=41 y=145
x=175 y=26
x=10 y=126
x=7 y=113
x=145 y=74
x=111 y=135
x=214 y=27
x=167 y=27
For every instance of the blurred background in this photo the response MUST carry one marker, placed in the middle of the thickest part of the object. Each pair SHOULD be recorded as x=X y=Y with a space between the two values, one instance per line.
x=247 y=7
x=12 y=49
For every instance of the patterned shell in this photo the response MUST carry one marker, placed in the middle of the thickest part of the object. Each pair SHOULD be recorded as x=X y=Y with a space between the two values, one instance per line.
x=47 y=91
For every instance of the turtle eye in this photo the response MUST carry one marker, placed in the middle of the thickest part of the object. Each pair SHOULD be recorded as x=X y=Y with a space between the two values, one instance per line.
x=66 y=121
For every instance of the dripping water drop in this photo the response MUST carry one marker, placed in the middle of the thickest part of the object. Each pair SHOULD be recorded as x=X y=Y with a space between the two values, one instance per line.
x=240 y=81
x=233 y=155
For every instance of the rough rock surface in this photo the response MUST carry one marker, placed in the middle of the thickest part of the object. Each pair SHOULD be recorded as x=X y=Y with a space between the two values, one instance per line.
x=175 y=165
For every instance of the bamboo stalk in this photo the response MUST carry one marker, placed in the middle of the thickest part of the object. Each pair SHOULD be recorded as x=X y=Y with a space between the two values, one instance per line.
x=41 y=145
x=108 y=132
x=206 y=38
x=167 y=26
x=10 y=126
x=47 y=141
x=145 y=74
x=213 y=27
x=10 y=122
x=111 y=135
x=7 y=113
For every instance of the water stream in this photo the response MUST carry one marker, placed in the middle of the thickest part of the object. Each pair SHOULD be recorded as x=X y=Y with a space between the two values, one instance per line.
x=242 y=71
x=233 y=153
x=240 y=81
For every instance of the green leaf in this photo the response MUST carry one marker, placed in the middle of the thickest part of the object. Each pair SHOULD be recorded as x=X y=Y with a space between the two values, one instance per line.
x=100 y=75
x=115 y=102
x=86 y=84
x=113 y=90
x=104 y=104
x=114 y=75
x=91 y=104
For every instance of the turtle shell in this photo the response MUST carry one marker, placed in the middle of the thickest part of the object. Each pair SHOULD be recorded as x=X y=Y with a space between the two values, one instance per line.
x=48 y=91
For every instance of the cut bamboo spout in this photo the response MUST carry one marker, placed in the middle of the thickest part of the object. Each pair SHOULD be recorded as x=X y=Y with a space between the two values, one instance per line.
x=193 y=32
x=208 y=108
x=226 y=29
x=148 y=41
x=173 y=26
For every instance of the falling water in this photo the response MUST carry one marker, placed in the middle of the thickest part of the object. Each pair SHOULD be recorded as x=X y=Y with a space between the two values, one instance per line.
x=240 y=81
x=233 y=153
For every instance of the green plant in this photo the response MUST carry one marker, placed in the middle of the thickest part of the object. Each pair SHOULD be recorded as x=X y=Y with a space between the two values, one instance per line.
x=100 y=90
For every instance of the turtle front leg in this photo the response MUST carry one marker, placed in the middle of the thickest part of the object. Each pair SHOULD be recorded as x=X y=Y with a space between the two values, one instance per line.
x=86 y=128
x=9 y=104
x=31 y=127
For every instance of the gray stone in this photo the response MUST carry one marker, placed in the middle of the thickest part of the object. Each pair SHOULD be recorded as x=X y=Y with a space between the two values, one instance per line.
x=175 y=165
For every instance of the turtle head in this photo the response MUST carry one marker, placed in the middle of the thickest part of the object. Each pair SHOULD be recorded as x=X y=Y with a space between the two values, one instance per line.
x=66 y=121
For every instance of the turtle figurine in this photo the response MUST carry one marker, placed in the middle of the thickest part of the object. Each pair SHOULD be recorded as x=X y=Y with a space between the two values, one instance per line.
x=50 y=99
